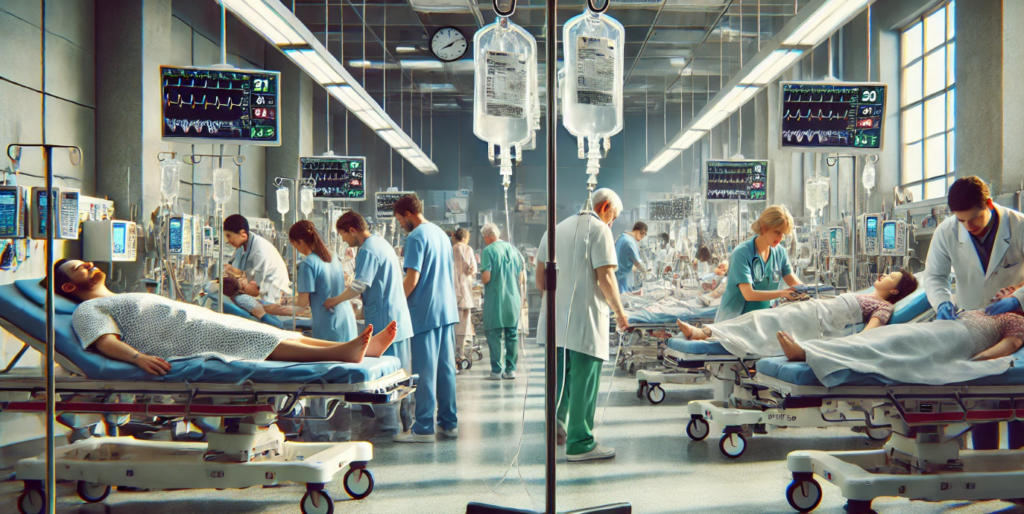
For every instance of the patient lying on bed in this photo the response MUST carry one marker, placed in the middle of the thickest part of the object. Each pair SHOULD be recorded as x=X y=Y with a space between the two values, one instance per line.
x=148 y=330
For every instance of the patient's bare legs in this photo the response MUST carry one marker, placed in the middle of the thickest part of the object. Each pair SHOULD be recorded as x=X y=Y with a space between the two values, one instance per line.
x=307 y=349
x=1006 y=347
x=380 y=342
x=693 y=333
x=792 y=350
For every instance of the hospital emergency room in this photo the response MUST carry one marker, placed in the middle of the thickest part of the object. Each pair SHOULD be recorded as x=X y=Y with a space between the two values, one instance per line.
x=511 y=256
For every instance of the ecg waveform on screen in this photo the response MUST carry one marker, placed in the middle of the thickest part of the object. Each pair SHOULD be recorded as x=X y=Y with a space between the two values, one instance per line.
x=832 y=115
x=205 y=84
x=212 y=127
x=204 y=102
x=824 y=136
x=820 y=99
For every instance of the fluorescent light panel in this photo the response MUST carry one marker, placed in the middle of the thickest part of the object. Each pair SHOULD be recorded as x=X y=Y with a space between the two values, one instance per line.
x=769 y=69
x=823 y=22
x=393 y=138
x=661 y=160
x=316 y=66
x=265 y=21
x=374 y=120
x=688 y=138
x=349 y=97
x=711 y=120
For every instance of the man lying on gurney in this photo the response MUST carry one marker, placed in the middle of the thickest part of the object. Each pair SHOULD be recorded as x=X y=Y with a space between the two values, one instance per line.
x=148 y=330
x=754 y=333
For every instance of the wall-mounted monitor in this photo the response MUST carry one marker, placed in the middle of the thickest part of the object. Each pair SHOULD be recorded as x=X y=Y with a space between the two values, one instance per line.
x=226 y=106
x=736 y=180
x=832 y=117
x=337 y=178
x=676 y=209
x=386 y=203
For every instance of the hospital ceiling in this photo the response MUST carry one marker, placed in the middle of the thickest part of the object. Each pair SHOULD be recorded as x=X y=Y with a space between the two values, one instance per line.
x=674 y=48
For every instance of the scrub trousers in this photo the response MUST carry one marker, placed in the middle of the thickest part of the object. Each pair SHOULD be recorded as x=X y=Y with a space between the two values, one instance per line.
x=511 y=348
x=464 y=333
x=986 y=436
x=578 y=403
x=396 y=417
x=435 y=389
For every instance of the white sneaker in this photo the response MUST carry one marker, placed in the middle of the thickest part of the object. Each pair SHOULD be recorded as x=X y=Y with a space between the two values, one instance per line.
x=494 y=376
x=410 y=437
x=599 y=452
x=509 y=376
x=451 y=433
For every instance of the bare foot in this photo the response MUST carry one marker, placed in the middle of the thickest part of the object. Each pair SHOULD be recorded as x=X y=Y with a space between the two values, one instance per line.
x=690 y=332
x=380 y=342
x=354 y=350
x=792 y=350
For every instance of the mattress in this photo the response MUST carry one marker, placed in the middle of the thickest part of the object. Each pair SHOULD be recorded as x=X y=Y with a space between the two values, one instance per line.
x=665 y=318
x=680 y=344
x=20 y=305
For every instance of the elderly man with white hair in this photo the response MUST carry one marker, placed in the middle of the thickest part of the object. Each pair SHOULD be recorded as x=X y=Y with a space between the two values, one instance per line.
x=587 y=293
x=501 y=271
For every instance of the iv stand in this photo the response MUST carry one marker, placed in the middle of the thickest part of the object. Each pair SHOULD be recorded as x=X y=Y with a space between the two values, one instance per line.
x=50 y=483
x=296 y=183
x=834 y=161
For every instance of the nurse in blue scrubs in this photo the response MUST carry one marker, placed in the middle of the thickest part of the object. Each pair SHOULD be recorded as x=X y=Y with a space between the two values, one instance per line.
x=378 y=278
x=758 y=265
x=627 y=250
x=430 y=288
x=321 y=276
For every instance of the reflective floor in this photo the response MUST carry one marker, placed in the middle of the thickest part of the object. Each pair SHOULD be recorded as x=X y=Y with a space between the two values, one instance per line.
x=657 y=469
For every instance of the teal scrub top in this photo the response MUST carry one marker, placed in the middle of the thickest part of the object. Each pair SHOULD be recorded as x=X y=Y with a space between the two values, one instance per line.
x=323 y=280
x=428 y=250
x=747 y=267
x=502 y=300
x=384 y=298
x=628 y=253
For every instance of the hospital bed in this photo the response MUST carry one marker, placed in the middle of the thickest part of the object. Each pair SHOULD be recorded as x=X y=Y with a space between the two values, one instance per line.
x=236 y=404
x=741 y=409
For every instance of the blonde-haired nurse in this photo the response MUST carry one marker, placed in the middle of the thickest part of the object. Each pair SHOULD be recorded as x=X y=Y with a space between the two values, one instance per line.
x=758 y=265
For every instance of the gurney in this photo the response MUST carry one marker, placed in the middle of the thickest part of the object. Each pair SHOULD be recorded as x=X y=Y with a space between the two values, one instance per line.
x=739 y=407
x=235 y=403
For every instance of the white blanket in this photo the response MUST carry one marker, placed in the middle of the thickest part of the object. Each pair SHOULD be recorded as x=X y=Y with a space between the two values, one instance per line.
x=754 y=333
x=921 y=353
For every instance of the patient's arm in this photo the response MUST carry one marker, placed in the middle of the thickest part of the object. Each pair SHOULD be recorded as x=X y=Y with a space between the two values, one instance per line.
x=1004 y=348
x=871 y=324
x=112 y=346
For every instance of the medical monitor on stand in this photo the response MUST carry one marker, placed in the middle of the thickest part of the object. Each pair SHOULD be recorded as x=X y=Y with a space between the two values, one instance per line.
x=832 y=117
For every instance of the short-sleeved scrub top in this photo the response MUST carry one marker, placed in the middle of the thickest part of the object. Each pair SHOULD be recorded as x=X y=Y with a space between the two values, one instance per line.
x=428 y=250
x=627 y=251
x=379 y=274
x=324 y=280
x=502 y=299
x=747 y=267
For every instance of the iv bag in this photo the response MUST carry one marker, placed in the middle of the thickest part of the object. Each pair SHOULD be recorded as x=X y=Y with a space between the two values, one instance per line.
x=282 y=200
x=306 y=200
x=592 y=96
x=725 y=223
x=816 y=194
x=221 y=185
x=868 y=178
x=505 y=83
x=170 y=172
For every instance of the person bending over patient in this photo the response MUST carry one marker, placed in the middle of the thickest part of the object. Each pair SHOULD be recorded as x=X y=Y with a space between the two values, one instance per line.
x=876 y=306
x=148 y=330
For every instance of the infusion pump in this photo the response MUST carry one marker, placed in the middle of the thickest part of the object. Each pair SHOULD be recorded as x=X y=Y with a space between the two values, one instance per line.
x=66 y=207
x=870 y=233
x=837 y=242
x=186 y=235
x=13 y=211
x=894 y=238
x=109 y=241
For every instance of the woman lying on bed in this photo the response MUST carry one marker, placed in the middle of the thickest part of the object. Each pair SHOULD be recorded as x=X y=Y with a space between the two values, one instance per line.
x=940 y=352
x=148 y=330
x=755 y=332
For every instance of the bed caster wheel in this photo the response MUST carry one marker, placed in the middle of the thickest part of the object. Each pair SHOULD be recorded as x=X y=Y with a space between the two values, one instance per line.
x=878 y=434
x=358 y=483
x=465 y=364
x=478 y=355
x=859 y=507
x=31 y=501
x=641 y=390
x=91 y=492
x=803 y=495
x=698 y=429
x=656 y=395
x=733 y=445
x=317 y=502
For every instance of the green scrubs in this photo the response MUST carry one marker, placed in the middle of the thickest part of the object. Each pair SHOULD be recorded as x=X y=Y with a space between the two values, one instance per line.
x=502 y=303
x=585 y=382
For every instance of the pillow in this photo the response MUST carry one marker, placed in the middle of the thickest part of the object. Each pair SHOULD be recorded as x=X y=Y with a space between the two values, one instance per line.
x=31 y=289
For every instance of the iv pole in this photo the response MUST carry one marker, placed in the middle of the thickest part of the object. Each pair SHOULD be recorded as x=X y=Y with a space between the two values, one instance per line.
x=296 y=184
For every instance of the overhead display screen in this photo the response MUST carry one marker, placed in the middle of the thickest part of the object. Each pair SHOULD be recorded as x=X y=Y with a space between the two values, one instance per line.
x=832 y=117
x=205 y=105
x=337 y=178
x=386 y=203
x=744 y=181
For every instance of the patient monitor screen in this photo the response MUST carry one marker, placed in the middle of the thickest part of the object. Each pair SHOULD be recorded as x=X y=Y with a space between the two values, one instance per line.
x=872 y=227
x=119 y=238
x=889 y=236
x=8 y=212
x=174 y=235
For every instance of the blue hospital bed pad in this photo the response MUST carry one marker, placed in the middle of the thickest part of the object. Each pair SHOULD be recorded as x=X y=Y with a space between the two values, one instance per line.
x=24 y=312
x=683 y=345
x=642 y=317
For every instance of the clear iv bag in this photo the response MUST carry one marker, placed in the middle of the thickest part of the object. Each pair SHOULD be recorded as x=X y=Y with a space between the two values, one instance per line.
x=170 y=172
x=868 y=177
x=306 y=200
x=592 y=96
x=221 y=186
x=816 y=194
x=282 y=200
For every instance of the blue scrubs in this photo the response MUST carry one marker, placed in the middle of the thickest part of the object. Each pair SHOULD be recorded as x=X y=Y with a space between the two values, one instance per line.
x=628 y=253
x=384 y=301
x=432 y=306
x=323 y=280
x=747 y=267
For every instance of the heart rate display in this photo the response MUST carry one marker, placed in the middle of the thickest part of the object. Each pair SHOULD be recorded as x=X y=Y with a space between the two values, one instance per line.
x=745 y=181
x=337 y=178
x=386 y=203
x=203 y=105
x=827 y=117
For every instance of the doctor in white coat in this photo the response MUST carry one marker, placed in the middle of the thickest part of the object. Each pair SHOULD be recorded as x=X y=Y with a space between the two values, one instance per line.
x=982 y=244
x=257 y=258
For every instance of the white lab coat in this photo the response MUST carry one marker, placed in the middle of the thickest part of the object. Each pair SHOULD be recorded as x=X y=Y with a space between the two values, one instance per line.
x=952 y=248
x=261 y=262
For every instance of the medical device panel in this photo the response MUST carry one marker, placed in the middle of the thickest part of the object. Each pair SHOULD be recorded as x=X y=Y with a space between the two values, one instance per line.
x=207 y=105
x=736 y=180
x=13 y=211
x=66 y=207
x=829 y=117
x=894 y=238
x=386 y=203
x=176 y=235
x=837 y=242
x=676 y=209
x=109 y=241
x=337 y=178
x=870 y=234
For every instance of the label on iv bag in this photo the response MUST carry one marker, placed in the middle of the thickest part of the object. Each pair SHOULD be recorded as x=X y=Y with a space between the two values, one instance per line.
x=595 y=71
x=506 y=85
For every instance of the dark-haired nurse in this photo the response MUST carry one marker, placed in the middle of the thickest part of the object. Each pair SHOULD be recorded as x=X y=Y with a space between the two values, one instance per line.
x=257 y=258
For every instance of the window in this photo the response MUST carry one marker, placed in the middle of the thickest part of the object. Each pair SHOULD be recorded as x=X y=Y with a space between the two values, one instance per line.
x=928 y=103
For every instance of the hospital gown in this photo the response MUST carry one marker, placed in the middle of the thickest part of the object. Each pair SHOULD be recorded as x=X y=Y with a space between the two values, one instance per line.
x=164 y=328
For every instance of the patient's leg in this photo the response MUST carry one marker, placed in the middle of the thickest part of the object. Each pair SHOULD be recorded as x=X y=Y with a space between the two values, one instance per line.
x=380 y=342
x=306 y=349
x=1006 y=347
x=792 y=350
x=693 y=333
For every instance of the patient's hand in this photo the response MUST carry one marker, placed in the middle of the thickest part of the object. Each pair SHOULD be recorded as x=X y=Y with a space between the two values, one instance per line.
x=1005 y=292
x=152 y=365
x=1004 y=348
x=259 y=312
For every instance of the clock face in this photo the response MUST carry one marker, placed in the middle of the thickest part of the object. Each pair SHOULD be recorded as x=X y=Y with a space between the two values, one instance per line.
x=449 y=44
